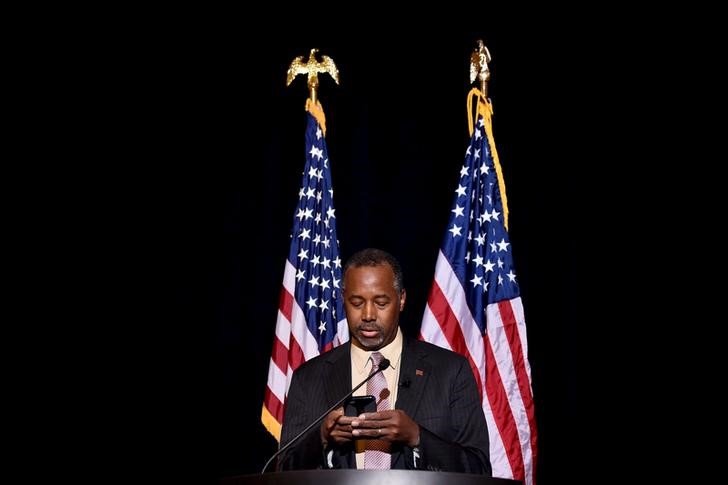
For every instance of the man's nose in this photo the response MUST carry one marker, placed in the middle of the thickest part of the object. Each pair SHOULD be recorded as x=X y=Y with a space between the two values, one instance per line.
x=370 y=312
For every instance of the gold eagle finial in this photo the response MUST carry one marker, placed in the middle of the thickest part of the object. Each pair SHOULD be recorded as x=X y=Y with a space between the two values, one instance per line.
x=479 y=60
x=312 y=67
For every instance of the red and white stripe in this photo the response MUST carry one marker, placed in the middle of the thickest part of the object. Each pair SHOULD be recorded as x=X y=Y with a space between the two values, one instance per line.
x=500 y=366
x=293 y=345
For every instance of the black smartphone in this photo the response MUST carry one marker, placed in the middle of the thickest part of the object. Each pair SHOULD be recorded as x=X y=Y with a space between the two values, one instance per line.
x=360 y=404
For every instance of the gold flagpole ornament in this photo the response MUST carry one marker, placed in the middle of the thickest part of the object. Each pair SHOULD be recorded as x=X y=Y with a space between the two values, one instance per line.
x=479 y=60
x=312 y=67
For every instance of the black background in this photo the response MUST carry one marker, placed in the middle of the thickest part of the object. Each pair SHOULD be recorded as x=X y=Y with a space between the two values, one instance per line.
x=223 y=144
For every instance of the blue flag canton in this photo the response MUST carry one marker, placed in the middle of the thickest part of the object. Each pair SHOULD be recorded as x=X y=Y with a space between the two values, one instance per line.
x=476 y=242
x=314 y=246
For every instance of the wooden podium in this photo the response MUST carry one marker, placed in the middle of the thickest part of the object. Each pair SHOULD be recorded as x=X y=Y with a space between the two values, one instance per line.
x=365 y=477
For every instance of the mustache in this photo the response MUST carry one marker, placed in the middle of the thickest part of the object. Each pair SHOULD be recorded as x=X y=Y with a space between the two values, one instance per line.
x=369 y=327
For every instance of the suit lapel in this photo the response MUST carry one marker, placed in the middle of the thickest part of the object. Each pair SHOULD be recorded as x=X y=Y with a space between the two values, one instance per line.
x=337 y=383
x=338 y=374
x=415 y=370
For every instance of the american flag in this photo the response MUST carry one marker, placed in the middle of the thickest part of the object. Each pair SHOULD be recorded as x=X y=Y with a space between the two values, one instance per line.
x=474 y=308
x=310 y=311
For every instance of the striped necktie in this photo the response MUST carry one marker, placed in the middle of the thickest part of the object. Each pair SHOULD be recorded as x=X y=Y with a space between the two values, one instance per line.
x=376 y=455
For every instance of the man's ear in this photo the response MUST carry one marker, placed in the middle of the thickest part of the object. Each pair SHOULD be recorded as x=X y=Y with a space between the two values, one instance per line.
x=402 y=299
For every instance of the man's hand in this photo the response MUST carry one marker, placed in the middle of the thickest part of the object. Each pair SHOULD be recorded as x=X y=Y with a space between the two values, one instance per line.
x=336 y=427
x=393 y=425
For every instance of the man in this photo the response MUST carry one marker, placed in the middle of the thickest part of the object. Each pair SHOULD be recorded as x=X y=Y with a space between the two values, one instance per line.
x=436 y=423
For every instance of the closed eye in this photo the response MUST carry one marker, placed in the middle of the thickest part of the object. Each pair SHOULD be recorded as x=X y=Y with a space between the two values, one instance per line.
x=356 y=303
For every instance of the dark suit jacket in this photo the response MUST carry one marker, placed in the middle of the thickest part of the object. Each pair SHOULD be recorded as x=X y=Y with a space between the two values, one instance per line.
x=441 y=397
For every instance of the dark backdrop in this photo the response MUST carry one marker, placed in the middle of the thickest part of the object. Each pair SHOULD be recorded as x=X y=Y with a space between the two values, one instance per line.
x=230 y=136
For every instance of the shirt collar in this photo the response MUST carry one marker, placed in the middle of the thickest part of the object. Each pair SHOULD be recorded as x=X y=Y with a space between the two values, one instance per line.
x=391 y=351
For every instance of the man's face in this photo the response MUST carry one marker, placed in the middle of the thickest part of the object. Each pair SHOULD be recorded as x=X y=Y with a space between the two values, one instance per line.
x=372 y=305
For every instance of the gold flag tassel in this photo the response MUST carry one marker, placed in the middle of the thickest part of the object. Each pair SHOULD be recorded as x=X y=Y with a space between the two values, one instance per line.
x=317 y=111
x=479 y=70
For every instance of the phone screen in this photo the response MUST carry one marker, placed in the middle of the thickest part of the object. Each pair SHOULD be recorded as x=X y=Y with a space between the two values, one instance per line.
x=360 y=404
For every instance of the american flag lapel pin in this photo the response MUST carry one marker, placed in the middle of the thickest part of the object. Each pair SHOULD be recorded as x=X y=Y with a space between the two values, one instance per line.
x=419 y=372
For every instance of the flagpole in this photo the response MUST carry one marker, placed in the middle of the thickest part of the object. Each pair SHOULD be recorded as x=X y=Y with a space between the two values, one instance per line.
x=311 y=316
x=474 y=306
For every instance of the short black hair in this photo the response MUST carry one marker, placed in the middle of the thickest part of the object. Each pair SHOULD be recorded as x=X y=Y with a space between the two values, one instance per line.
x=376 y=257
